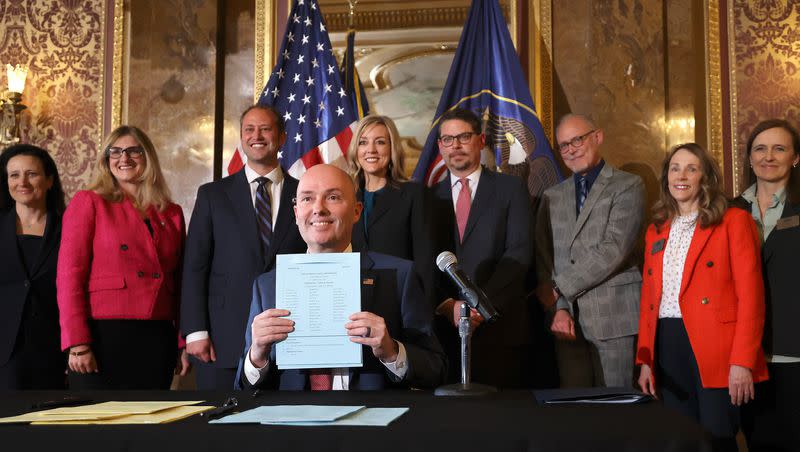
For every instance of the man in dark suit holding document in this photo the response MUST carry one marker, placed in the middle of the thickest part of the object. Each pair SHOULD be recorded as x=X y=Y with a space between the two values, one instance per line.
x=394 y=326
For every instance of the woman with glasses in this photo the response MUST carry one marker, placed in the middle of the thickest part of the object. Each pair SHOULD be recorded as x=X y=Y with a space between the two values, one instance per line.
x=702 y=306
x=773 y=199
x=393 y=219
x=118 y=272
x=31 y=205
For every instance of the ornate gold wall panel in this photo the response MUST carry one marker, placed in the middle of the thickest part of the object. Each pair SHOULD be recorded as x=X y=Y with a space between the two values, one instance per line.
x=766 y=69
x=63 y=43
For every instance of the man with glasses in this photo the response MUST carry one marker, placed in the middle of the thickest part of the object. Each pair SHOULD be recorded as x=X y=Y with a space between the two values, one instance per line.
x=587 y=230
x=484 y=218
x=238 y=225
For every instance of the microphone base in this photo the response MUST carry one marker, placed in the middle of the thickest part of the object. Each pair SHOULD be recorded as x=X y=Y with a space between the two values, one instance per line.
x=462 y=389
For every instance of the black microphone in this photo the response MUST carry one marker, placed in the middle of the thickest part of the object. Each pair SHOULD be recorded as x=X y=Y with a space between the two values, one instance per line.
x=472 y=294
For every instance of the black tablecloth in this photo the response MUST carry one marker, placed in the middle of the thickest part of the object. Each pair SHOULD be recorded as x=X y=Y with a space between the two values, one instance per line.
x=506 y=421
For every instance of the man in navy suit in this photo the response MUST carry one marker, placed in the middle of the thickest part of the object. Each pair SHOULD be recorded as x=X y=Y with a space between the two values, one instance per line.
x=238 y=225
x=394 y=327
x=484 y=218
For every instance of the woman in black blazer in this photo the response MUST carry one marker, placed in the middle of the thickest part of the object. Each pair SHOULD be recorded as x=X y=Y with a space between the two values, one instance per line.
x=31 y=205
x=773 y=149
x=394 y=217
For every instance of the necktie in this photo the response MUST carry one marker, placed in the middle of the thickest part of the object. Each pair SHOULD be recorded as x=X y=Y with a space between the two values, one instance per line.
x=264 y=213
x=320 y=379
x=462 y=206
x=583 y=192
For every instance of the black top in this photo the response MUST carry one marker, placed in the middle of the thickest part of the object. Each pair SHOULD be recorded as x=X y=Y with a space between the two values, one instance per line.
x=779 y=254
x=29 y=247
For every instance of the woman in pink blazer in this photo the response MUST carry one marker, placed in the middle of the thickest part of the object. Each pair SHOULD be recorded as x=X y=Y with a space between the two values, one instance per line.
x=118 y=272
x=702 y=306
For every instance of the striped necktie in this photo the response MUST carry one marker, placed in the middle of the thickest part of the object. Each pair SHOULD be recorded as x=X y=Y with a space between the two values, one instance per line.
x=583 y=192
x=264 y=212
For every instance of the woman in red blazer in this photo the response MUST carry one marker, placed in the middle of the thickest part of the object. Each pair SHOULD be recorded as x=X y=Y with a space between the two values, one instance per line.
x=702 y=306
x=118 y=272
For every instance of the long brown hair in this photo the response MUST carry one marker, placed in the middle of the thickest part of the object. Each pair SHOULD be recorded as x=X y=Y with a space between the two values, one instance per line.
x=152 y=188
x=712 y=203
x=394 y=174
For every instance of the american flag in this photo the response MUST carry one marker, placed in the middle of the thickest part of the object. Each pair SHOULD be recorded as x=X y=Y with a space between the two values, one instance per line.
x=306 y=87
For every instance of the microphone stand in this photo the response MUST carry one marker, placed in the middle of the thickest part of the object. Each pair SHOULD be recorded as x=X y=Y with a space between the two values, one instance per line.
x=466 y=387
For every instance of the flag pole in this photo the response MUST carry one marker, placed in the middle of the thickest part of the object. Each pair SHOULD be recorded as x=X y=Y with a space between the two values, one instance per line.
x=351 y=18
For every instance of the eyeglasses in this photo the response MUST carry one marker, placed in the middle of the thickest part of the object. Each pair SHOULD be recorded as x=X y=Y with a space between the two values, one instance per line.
x=575 y=142
x=133 y=152
x=463 y=138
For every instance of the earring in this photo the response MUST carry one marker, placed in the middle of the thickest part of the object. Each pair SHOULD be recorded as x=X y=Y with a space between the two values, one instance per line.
x=795 y=165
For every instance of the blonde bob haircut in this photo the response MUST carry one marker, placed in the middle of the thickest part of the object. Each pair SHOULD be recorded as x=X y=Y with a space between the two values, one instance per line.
x=712 y=202
x=152 y=188
x=394 y=173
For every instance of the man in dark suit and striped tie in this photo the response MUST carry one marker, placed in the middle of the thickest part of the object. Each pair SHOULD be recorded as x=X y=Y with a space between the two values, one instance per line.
x=238 y=225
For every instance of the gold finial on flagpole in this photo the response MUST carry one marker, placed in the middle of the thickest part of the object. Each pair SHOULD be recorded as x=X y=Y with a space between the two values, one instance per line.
x=352 y=16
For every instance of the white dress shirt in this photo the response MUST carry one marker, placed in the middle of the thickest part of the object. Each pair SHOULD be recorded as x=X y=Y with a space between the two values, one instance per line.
x=455 y=186
x=276 y=187
x=341 y=376
x=680 y=237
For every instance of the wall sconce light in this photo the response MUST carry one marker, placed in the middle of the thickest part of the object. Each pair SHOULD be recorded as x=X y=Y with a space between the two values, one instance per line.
x=11 y=104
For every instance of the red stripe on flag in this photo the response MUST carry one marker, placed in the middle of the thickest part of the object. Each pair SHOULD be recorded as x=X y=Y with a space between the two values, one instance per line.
x=431 y=167
x=236 y=163
x=343 y=138
x=311 y=158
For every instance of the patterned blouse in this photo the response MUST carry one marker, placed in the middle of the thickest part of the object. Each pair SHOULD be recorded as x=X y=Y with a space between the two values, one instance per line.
x=680 y=237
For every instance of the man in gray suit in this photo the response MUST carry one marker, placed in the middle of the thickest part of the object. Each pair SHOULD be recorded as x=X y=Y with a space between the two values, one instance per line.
x=587 y=230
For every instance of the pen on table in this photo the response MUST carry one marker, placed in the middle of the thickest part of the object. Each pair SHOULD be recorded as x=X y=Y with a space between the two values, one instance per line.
x=231 y=404
x=67 y=401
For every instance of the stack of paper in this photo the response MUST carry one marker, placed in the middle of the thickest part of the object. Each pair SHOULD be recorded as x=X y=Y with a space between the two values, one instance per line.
x=315 y=415
x=112 y=413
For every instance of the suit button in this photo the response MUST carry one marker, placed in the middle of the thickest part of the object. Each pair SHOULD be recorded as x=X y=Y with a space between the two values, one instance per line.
x=572 y=261
x=649 y=271
x=156 y=275
x=140 y=274
x=652 y=307
x=26 y=283
x=709 y=264
x=704 y=301
x=124 y=247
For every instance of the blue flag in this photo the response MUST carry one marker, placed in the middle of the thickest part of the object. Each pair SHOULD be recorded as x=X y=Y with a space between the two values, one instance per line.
x=486 y=77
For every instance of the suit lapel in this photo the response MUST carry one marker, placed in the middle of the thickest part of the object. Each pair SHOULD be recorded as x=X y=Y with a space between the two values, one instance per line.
x=768 y=249
x=699 y=240
x=51 y=231
x=8 y=242
x=594 y=194
x=367 y=282
x=658 y=259
x=285 y=219
x=446 y=212
x=389 y=197
x=238 y=193
x=481 y=202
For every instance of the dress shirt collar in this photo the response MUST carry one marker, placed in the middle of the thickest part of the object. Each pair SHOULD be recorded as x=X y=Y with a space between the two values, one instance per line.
x=590 y=176
x=474 y=177
x=275 y=176
x=751 y=196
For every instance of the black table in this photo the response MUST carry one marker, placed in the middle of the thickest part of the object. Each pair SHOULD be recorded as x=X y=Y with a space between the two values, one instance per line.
x=506 y=421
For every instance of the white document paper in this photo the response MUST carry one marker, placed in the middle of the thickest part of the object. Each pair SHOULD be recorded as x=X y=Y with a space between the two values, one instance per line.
x=321 y=291
x=288 y=414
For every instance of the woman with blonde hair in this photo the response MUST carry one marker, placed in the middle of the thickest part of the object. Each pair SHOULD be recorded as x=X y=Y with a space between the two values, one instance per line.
x=119 y=272
x=702 y=308
x=393 y=219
